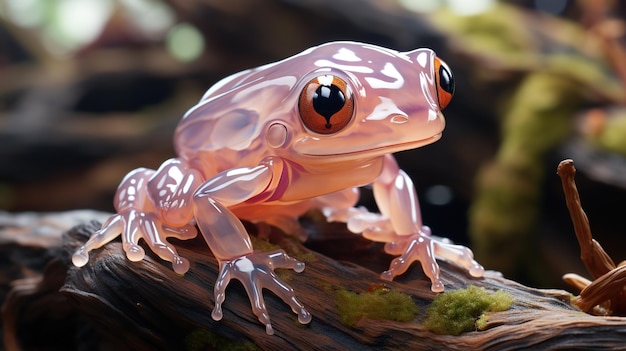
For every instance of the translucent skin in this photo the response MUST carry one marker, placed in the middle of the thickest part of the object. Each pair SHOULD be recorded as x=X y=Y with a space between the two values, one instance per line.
x=244 y=152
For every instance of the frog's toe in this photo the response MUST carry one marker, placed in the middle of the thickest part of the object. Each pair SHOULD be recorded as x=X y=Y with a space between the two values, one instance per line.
x=460 y=255
x=288 y=295
x=168 y=253
x=298 y=267
x=255 y=294
x=219 y=290
x=80 y=257
x=217 y=313
x=263 y=317
x=477 y=270
x=279 y=259
x=110 y=229
x=134 y=252
x=304 y=317
x=398 y=266
x=180 y=265
x=437 y=286
x=418 y=247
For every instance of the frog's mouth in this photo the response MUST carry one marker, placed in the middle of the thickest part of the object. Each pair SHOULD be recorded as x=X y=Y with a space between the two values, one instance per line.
x=375 y=151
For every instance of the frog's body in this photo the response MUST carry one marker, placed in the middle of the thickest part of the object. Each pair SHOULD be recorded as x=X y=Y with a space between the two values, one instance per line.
x=267 y=144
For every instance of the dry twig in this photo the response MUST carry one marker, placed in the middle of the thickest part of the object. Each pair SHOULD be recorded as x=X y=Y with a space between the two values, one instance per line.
x=604 y=295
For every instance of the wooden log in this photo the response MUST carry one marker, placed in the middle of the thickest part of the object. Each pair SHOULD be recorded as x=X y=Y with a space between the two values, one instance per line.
x=35 y=315
x=145 y=305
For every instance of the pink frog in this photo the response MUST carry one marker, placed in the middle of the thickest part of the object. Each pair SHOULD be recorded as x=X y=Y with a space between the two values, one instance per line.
x=269 y=143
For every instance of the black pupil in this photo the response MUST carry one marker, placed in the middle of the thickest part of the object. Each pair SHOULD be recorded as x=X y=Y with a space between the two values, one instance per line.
x=327 y=101
x=446 y=81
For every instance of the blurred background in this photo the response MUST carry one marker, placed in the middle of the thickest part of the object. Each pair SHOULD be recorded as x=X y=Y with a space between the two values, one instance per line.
x=91 y=89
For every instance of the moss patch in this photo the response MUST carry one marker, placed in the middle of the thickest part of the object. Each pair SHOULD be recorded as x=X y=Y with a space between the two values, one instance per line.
x=458 y=311
x=292 y=250
x=379 y=304
x=263 y=244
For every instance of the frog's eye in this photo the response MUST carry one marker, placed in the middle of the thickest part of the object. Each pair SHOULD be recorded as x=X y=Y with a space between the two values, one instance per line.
x=326 y=104
x=445 y=83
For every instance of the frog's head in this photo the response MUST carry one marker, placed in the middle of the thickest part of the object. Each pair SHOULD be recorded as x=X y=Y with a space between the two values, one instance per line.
x=334 y=102
x=361 y=100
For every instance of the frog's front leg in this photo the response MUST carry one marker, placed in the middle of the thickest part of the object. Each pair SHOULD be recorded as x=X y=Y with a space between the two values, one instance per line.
x=397 y=200
x=229 y=241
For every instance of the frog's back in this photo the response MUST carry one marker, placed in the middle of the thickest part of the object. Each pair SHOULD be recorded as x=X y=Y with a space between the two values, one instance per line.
x=231 y=116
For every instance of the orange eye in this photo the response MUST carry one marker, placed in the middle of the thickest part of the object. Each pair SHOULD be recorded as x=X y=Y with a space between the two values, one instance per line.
x=326 y=104
x=445 y=83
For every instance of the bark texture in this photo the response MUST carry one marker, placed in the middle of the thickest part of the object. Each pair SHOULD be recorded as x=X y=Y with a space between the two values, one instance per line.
x=115 y=303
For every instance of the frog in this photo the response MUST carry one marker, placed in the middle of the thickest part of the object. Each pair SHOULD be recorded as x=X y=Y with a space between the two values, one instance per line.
x=270 y=143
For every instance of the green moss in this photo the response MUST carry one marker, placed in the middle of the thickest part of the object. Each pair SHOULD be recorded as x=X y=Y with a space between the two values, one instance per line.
x=481 y=322
x=458 y=311
x=380 y=304
x=263 y=245
x=292 y=250
x=202 y=339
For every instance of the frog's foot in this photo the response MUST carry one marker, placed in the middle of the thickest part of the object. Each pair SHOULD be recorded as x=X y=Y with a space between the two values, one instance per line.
x=423 y=248
x=135 y=225
x=256 y=272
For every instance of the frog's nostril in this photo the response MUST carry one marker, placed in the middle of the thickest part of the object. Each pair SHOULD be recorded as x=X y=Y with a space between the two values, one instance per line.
x=399 y=119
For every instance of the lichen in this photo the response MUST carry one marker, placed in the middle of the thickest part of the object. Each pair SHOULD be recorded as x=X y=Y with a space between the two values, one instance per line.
x=202 y=339
x=458 y=311
x=378 y=304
